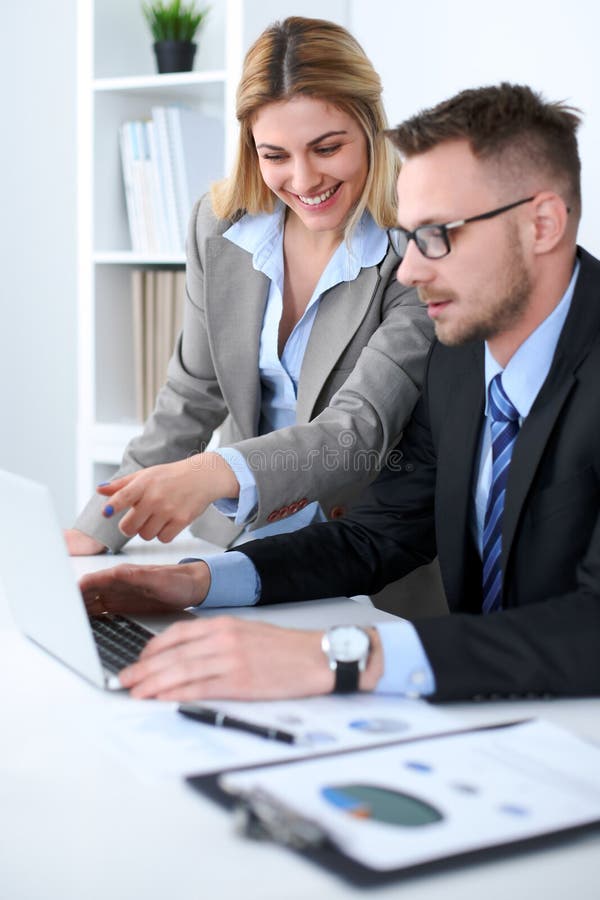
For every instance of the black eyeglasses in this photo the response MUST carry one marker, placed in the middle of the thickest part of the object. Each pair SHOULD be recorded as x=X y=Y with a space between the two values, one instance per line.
x=433 y=240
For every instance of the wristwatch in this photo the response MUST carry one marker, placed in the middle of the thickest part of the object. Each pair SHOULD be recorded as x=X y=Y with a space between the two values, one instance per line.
x=347 y=648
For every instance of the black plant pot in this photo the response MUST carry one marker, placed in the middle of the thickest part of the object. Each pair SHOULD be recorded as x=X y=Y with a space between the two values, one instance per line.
x=174 y=56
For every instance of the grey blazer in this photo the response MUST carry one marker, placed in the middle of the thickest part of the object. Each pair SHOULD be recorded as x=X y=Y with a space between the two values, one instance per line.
x=360 y=378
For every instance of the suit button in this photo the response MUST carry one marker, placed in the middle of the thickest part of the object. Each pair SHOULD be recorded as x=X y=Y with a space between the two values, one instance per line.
x=302 y=503
x=293 y=508
x=274 y=516
x=284 y=511
x=337 y=512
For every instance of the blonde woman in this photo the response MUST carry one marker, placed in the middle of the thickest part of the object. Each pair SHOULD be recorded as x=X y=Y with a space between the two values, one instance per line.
x=298 y=343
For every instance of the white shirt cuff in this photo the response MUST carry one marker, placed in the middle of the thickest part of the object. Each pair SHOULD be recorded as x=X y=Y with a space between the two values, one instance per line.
x=234 y=581
x=406 y=667
x=243 y=509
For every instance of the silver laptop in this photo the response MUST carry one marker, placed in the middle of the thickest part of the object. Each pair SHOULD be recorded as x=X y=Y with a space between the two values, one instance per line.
x=41 y=589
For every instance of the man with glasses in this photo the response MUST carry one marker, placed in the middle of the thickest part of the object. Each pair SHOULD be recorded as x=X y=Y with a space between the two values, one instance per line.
x=498 y=472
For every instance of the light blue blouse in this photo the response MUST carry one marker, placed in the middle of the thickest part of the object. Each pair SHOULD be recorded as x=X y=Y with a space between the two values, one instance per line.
x=262 y=237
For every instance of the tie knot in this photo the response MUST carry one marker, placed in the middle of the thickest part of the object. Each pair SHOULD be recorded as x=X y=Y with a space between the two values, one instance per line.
x=499 y=406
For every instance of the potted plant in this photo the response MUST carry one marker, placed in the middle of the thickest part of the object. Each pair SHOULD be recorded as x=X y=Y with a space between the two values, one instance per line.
x=173 y=25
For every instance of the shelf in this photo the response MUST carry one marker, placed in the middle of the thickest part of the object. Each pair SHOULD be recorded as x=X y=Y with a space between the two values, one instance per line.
x=156 y=83
x=131 y=258
x=117 y=82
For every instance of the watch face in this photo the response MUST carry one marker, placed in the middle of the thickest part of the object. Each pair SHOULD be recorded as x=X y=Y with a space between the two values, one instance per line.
x=348 y=643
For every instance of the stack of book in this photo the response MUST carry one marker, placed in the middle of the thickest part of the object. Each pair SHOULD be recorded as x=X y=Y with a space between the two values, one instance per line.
x=168 y=162
x=157 y=297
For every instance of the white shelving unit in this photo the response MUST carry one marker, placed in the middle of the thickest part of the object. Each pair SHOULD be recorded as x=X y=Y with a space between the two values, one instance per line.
x=117 y=82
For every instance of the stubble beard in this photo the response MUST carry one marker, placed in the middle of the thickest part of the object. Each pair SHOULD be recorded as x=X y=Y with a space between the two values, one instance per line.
x=502 y=312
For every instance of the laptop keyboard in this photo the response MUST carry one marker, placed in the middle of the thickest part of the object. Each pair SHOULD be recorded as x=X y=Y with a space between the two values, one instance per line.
x=119 y=640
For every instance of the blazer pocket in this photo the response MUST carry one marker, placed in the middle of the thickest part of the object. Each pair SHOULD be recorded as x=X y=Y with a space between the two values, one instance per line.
x=580 y=489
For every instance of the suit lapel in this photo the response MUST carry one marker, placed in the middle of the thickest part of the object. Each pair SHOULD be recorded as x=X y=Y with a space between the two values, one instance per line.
x=340 y=313
x=235 y=298
x=579 y=332
x=457 y=455
x=528 y=452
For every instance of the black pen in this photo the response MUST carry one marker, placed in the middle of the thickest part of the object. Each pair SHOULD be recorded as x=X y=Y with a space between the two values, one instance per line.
x=221 y=720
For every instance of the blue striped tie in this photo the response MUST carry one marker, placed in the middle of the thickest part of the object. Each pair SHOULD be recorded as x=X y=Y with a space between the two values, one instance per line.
x=505 y=427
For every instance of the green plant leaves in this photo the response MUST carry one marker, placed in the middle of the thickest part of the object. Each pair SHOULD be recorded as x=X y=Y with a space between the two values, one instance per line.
x=174 y=20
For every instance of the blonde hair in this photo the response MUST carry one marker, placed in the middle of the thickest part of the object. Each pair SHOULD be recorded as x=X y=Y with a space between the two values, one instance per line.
x=313 y=58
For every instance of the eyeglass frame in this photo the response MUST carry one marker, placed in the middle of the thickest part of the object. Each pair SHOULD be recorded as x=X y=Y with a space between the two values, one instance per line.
x=444 y=229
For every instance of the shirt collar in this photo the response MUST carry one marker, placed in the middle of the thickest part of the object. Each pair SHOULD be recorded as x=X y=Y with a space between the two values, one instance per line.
x=262 y=236
x=527 y=369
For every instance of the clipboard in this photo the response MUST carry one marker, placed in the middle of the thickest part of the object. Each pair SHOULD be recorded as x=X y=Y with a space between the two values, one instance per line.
x=269 y=810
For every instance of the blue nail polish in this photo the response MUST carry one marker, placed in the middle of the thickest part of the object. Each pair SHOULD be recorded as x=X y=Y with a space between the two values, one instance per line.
x=103 y=483
x=108 y=511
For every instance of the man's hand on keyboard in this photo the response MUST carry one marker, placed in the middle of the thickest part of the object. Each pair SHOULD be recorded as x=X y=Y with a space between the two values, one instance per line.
x=227 y=657
x=145 y=590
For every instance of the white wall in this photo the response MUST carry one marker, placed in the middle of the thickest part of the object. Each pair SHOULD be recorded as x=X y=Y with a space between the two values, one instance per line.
x=37 y=245
x=428 y=51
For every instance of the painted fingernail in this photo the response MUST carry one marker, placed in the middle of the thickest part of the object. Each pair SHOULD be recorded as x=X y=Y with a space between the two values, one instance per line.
x=107 y=511
x=103 y=483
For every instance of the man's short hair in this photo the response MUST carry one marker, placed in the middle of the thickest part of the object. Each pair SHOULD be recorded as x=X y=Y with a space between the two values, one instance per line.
x=508 y=123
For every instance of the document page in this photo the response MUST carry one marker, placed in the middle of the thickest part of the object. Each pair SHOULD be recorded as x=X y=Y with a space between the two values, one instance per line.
x=158 y=742
x=338 y=721
x=412 y=803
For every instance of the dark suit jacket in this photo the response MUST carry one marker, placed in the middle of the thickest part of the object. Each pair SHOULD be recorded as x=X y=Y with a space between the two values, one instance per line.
x=547 y=638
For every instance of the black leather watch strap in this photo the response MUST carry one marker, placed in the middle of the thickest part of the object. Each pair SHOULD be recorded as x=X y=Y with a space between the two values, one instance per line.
x=346 y=678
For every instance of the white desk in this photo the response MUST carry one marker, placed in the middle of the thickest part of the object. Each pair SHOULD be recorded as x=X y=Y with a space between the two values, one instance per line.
x=75 y=824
